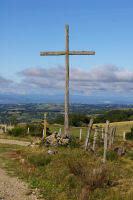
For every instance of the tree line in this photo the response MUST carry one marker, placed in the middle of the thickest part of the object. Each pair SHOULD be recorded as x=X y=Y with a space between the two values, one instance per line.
x=117 y=115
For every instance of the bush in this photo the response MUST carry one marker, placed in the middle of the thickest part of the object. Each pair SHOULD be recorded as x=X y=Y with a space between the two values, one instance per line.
x=17 y=131
x=36 y=129
x=129 y=135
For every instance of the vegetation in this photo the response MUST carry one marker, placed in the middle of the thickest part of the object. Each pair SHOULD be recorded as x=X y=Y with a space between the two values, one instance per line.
x=83 y=120
x=129 y=135
x=35 y=129
x=74 y=120
x=72 y=173
x=117 y=115
x=25 y=113
x=17 y=132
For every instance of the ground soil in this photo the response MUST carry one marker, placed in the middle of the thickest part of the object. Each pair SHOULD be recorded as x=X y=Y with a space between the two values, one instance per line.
x=12 y=188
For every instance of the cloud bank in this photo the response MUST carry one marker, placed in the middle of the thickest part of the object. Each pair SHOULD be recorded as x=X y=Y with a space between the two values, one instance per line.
x=37 y=80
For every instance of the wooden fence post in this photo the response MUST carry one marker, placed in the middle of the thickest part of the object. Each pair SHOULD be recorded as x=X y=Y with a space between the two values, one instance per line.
x=43 y=133
x=124 y=136
x=102 y=133
x=94 y=141
x=28 y=130
x=5 y=128
x=45 y=125
x=80 y=136
x=87 y=143
x=111 y=137
x=60 y=131
x=106 y=141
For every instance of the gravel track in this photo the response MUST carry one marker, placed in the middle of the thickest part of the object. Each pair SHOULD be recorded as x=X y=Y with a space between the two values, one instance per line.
x=21 y=143
x=12 y=188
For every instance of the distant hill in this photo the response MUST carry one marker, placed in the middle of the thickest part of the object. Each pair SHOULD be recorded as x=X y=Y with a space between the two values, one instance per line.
x=33 y=112
x=60 y=98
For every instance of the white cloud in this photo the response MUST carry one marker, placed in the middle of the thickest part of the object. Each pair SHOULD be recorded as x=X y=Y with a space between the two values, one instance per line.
x=102 y=79
x=4 y=82
x=98 y=78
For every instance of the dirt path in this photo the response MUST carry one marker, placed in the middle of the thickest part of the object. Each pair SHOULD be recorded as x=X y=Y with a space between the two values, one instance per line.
x=12 y=188
x=21 y=143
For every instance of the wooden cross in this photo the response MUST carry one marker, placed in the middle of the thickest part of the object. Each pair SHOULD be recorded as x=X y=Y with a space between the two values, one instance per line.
x=66 y=53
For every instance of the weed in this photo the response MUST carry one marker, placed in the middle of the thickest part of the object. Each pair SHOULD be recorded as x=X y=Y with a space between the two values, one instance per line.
x=74 y=142
x=39 y=160
x=111 y=155
x=90 y=177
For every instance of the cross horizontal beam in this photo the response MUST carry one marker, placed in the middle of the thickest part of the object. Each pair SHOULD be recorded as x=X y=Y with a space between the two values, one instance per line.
x=58 y=53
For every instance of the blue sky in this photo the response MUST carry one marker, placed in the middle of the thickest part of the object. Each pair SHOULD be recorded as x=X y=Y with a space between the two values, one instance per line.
x=30 y=26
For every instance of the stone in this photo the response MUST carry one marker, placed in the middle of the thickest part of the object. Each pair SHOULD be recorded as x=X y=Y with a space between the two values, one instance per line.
x=65 y=141
x=52 y=139
x=57 y=139
x=51 y=151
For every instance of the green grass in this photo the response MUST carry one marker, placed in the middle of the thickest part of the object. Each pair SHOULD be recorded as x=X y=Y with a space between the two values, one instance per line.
x=68 y=174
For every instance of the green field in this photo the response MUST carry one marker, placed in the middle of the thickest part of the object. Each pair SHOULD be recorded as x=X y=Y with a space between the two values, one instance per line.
x=75 y=131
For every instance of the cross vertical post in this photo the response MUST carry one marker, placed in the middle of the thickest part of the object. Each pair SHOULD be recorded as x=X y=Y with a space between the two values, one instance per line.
x=45 y=124
x=66 y=127
x=66 y=53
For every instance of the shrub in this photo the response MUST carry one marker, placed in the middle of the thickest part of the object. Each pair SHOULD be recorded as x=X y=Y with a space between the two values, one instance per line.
x=17 y=131
x=90 y=176
x=74 y=142
x=36 y=129
x=129 y=135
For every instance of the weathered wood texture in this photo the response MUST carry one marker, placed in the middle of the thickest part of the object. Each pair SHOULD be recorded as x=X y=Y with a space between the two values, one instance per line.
x=111 y=137
x=67 y=84
x=81 y=52
x=102 y=133
x=52 y=53
x=60 y=131
x=94 y=141
x=87 y=143
x=124 y=136
x=28 y=130
x=106 y=141
x=80 y=136
x=59 y=53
